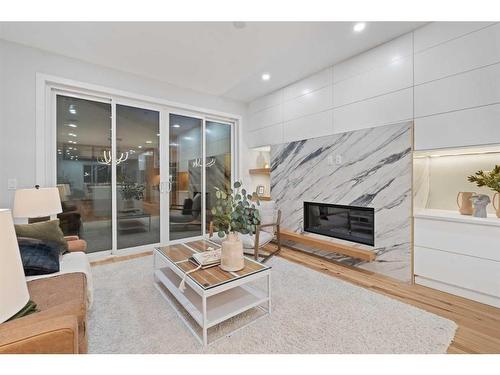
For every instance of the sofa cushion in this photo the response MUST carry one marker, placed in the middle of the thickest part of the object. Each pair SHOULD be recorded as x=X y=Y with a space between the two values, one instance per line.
x=46 y=230
x=62 y=295
x=38 y=257
x=73 y=263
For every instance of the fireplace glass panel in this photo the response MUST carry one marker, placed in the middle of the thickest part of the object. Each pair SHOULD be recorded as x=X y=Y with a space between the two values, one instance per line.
x=345 y=222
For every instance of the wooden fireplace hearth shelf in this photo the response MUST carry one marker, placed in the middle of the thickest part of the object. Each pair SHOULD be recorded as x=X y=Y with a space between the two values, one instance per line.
x=339 y=248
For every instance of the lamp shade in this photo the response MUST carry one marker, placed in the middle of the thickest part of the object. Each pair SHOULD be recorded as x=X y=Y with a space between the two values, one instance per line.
x=13 y=288
x=37 y=202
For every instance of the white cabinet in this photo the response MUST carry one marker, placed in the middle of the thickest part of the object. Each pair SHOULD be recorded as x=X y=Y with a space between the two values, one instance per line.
x=381 y=110
x=469 y=127
x=458 y=254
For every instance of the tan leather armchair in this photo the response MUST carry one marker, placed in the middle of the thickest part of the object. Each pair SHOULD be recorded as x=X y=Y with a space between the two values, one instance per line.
x=59 y=327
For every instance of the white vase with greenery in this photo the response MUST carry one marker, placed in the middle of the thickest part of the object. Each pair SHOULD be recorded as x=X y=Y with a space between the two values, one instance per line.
x=234 y=212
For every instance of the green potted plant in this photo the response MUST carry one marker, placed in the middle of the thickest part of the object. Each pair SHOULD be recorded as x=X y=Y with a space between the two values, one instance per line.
x=235 y=211
x=131 y=191
x=490 y=179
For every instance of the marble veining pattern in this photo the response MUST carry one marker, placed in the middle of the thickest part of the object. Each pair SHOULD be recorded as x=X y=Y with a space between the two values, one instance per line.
x=375 y=171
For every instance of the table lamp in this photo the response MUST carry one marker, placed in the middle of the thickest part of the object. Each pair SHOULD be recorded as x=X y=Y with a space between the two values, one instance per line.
x=13 y=288
x=37 y=202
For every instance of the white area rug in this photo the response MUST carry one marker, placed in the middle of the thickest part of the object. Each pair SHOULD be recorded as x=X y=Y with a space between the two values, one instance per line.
x=312 y=313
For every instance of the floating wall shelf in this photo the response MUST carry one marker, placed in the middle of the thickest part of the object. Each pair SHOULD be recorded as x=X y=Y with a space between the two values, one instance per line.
x=260 y=171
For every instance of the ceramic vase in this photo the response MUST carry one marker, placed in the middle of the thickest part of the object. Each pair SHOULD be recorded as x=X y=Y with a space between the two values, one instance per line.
x=464 y=203
x=232 y=253
x=496 y=198
x=480 y=202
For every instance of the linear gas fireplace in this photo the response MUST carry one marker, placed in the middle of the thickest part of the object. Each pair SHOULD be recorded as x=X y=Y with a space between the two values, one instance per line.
x=350 y=223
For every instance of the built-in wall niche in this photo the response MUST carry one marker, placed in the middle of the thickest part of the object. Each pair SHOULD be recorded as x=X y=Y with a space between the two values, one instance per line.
x=439 y=175
x=260 y=171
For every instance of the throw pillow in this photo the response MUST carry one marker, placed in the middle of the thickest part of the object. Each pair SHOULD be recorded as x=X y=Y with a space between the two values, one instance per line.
x=46 y=231
x=38 y=257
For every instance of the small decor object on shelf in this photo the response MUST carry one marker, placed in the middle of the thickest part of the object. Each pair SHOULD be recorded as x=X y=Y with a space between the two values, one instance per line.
x=233 y=213
x=260 y=190
x=496 y=198
x=480 y=201
x=489 y=179
x=261 y=161
x=464 y=203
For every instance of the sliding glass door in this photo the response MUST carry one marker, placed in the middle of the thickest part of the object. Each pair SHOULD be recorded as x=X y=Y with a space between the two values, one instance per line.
x=137 y=176
x=84 y=181
x=132 y=175
x=185 y=163
x=218 y=161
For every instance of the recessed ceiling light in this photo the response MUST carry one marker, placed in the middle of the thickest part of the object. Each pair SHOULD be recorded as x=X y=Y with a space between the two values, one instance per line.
x=72 y=125
x=72 y=109
x=139 y=146
x=266 y=76
x=358 y=27
x=158 y=134
x=149 y=142
x=72 y=134
x=176 y=126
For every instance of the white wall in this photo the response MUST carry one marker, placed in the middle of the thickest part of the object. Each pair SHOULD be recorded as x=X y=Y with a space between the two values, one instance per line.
x=18 y=68
x=445 y=76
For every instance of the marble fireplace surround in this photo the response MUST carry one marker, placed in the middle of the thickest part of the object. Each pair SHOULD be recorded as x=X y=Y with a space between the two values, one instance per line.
x=375 y=171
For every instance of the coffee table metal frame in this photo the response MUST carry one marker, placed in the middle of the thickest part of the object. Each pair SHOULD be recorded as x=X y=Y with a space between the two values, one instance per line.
x=212 y=305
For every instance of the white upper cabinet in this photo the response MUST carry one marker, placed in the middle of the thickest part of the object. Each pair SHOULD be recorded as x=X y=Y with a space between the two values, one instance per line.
x=474 y=50
x=315 y=125
x=395 y=75
x=469 y=127
x=271 y=135
x=266 y=117
x=381 y=110
x=439 y=32
x=377 y=57
x=313 y=102
x=266 y=101
x=470 y=89
x=309 y=84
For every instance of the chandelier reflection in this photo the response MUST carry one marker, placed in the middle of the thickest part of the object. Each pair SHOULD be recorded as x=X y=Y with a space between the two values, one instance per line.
x=197 y=163
x=107 y=159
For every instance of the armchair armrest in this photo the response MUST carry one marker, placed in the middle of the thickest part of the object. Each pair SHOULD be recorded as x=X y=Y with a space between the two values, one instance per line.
x=58 y=335
x=76 y=244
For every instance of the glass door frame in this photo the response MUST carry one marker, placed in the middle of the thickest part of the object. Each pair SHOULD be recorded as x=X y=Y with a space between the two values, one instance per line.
x=47 y=87
x=165 y=137
x=115 y=101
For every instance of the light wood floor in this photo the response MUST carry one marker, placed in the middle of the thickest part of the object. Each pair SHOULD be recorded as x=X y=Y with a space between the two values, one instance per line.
x=478 y=324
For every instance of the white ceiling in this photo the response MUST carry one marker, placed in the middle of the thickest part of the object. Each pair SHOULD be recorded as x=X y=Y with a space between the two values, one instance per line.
x=211 y=57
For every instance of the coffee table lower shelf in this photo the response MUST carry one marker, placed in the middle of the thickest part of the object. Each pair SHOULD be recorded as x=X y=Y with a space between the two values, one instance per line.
x=227 y=303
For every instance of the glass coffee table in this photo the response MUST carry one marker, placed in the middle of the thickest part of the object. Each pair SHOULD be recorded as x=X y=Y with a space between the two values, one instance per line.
x=212 y=295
